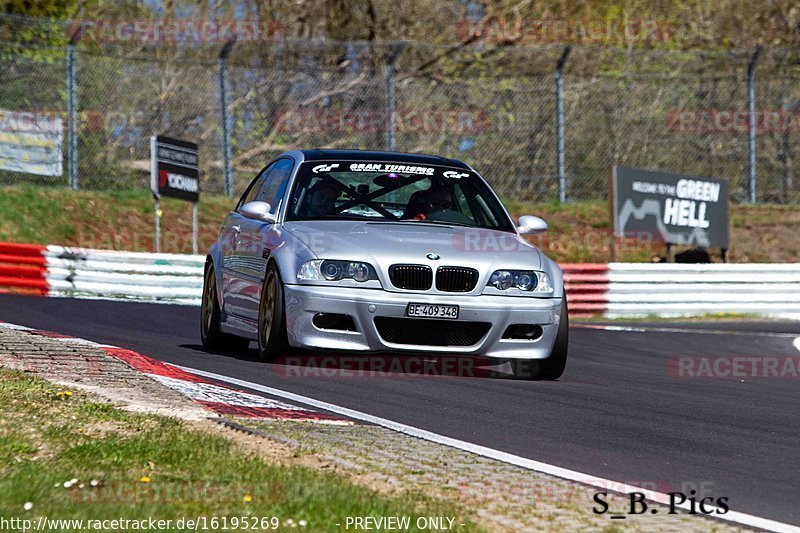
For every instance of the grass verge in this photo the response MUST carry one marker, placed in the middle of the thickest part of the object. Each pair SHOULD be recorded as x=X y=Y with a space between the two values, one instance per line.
x=120 y=465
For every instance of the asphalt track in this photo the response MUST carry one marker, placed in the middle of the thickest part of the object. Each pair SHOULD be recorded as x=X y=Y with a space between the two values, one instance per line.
x=619 y=412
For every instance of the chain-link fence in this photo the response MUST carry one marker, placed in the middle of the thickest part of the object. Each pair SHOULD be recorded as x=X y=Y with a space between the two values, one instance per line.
x=496 y=108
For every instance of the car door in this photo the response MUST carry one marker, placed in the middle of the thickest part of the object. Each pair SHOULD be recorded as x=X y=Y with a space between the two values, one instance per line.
x=257 y=239
x=230 y=237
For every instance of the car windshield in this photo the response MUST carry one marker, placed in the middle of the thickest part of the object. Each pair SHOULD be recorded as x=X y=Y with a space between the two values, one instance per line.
x=386 y=191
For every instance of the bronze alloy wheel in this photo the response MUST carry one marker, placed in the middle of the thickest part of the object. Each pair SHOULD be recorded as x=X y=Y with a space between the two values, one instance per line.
x=207 y=305
x=210 y=317
x=267 y=305
x=271 y=325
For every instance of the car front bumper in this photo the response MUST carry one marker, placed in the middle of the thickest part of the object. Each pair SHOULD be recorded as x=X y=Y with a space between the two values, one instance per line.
x=303 y=302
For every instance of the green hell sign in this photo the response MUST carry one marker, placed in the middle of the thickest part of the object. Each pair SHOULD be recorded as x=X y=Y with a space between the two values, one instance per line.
x=671 y=208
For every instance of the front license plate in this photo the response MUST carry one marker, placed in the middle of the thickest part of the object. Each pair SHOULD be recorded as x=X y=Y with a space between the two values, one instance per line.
x=432 y=310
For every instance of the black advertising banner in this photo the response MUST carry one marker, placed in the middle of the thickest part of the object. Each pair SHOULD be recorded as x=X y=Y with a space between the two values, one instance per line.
x=671 y=208
x=174 y=170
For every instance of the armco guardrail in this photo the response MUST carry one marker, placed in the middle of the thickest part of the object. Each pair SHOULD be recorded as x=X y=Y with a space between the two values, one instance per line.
x=610 y=290
x=661 y=289
x=763 y=289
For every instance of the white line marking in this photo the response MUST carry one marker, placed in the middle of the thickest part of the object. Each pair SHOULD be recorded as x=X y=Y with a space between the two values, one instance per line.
x=14 y=326
x=658 y=329
x=516 y=460
x=797 y=343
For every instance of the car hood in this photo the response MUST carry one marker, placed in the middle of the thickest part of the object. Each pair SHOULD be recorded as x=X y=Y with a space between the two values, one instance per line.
x=387 y=243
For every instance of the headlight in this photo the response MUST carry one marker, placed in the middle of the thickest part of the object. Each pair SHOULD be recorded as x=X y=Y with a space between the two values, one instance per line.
x=332 y=270
x=524 y=280
x=360 y=272
x=502 y=279
x=329 y=270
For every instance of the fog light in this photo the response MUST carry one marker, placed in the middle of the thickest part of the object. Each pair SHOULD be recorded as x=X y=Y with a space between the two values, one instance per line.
x=334 y=321
x=527 y=332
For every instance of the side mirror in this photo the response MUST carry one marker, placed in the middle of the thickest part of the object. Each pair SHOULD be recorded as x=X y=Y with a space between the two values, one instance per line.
x=258 y=211
x=531 y=224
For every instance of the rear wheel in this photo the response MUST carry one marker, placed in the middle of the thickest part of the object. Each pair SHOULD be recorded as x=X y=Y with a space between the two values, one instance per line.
x=552 y=367
x=210 y=333
x=272 y=340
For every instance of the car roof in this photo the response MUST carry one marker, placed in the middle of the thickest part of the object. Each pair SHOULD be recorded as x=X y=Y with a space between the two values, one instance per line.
x=318 y=154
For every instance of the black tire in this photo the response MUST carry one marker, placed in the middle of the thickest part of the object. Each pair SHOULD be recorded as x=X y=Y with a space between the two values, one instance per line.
x=272 y=339
x=552 y=367
x=211 y=336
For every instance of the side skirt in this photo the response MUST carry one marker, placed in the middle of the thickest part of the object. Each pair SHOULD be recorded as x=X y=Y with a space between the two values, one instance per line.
x=241 y=327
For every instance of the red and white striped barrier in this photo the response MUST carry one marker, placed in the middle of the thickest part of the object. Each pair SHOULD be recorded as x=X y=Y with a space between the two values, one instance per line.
x=220 y=399
x=85 y=273
x=587 y=287
x=23 y=269
x=594 y=289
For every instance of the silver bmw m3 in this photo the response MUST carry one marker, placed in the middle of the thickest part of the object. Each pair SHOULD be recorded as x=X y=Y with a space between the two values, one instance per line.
x=383 y=252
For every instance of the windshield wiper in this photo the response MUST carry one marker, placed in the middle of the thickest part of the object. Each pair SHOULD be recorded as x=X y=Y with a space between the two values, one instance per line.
x=444 y=223
x=341 y=217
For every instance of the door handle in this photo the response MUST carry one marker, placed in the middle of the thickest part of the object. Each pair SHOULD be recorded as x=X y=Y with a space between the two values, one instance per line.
x=236 y=229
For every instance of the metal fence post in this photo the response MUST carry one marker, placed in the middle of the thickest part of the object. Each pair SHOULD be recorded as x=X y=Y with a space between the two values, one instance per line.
x=751 y=123
x=391 y=141
x=787 y=180
x=562 y=178
x=72 y=114
x=226 y=126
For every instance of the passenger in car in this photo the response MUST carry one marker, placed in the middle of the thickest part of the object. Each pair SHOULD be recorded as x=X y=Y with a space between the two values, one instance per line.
x=423 y=203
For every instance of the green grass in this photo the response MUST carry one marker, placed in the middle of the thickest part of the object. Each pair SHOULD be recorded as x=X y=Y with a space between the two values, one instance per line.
x=115 y=220
x=578 y=231
x=150 y=466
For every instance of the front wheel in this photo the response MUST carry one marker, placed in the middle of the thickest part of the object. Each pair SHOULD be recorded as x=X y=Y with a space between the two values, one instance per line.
x=552 y=367
x=210 y=334
x=272 y=339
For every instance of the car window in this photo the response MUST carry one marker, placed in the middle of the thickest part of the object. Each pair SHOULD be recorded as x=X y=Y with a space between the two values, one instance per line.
x=390 y=191
x=271 y=189
x=254 y=187
x=269 y=186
